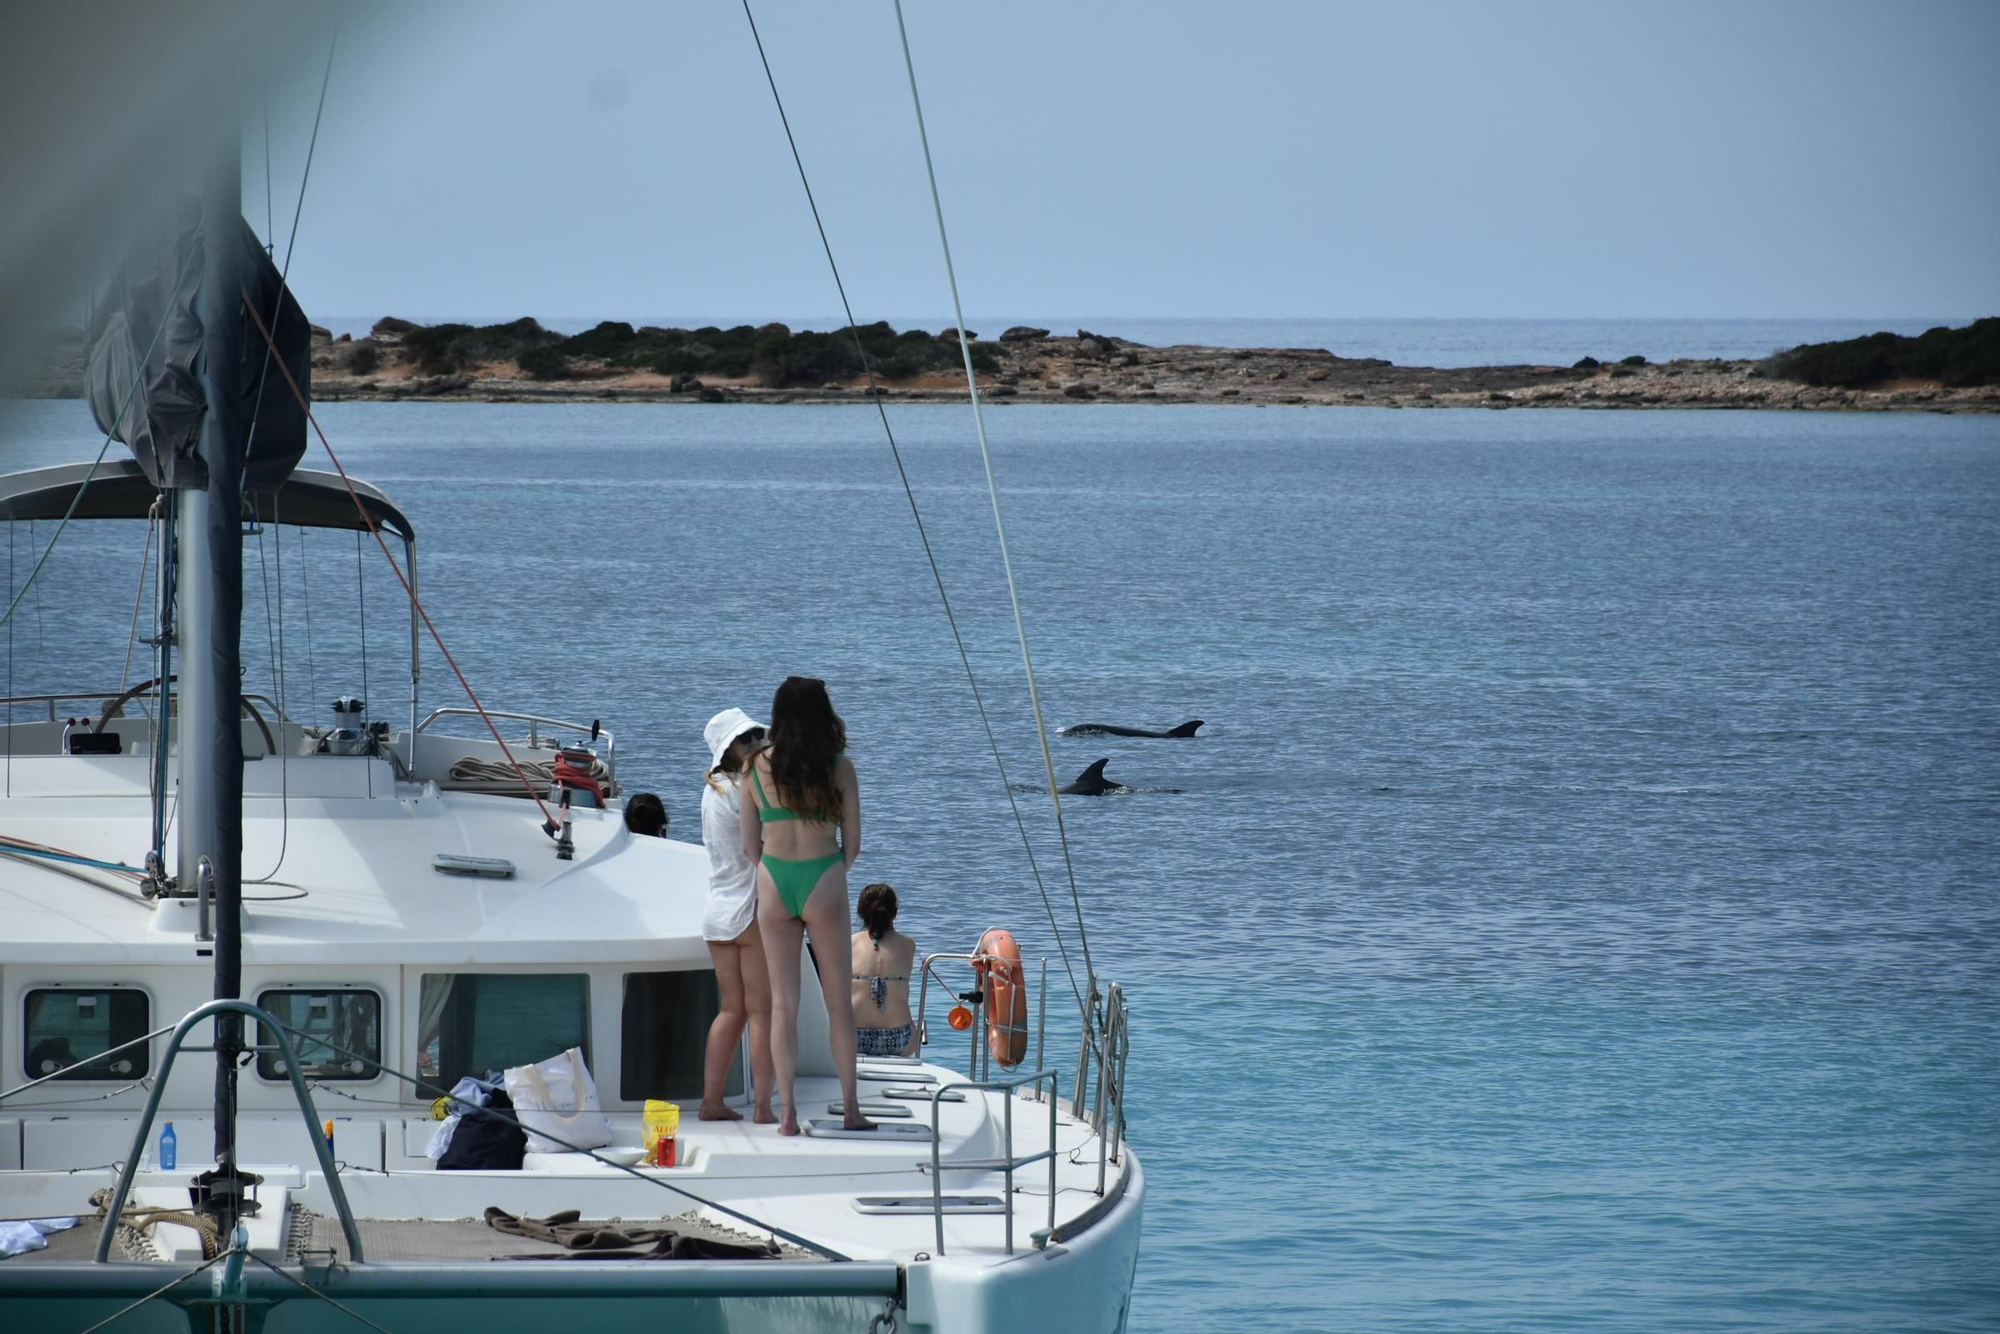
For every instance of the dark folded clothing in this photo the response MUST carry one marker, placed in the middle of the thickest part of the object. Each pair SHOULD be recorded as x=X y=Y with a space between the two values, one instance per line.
x=566 y=1230
x=485 y=1143
x=672 y=1246
x=606 y=1241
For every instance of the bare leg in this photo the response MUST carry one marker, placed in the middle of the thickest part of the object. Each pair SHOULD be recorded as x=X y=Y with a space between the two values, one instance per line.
x=784 y=941
x=825 y=918
x=724 y=1032
x=757 y=996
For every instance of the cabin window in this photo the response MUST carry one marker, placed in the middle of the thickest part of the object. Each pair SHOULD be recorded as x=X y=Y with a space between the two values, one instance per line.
x=63 y=1026
x=665 y=1032
x=475 y=1022
x=322 y=1021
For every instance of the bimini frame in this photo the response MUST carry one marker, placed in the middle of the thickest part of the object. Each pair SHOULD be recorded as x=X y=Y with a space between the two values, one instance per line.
x=118 y=489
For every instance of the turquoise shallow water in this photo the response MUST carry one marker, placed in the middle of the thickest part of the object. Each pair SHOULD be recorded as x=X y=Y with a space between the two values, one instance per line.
x=1579 y=911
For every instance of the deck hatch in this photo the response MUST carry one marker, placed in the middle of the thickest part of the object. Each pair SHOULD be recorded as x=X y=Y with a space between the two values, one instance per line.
x=489 y=868
x=871 y=1109
x=829 y=1128
x=929 y=1204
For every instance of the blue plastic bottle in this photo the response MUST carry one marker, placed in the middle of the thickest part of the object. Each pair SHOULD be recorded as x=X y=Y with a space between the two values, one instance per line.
x=168 y=1147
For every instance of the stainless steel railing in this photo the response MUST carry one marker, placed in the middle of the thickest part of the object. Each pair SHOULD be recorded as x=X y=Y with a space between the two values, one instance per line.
x=1102 y=1053
x=1007 y=1163
x=536 y=722
x=86 y=696
x=979 y=1063
x=281 y=1039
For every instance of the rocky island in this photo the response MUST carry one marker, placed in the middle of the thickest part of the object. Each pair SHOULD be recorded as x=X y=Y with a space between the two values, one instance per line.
x=1944 y=370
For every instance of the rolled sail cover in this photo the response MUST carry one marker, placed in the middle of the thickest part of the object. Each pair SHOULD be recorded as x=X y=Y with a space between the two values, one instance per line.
x=143 y=369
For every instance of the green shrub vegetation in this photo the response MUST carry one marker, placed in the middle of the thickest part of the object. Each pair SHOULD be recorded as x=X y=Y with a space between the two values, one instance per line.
x=771 y=355
x=1958 y=358
x=446 y=349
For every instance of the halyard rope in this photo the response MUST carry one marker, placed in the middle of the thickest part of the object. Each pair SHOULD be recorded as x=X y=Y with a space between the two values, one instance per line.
x=923 y=536
x=375 y=531
x=993 y=493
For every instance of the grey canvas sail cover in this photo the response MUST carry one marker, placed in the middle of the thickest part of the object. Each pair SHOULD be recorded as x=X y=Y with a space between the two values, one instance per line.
x=143 y=368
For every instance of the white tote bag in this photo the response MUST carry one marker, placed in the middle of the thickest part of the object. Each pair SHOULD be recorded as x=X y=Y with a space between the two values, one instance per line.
x=558 y=1097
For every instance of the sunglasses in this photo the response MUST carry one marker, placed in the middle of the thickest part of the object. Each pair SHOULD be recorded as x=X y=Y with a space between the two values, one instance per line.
x=753 y=736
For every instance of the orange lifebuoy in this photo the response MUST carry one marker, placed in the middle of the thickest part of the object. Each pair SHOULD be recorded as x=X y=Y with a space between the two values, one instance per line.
x=1004 y=991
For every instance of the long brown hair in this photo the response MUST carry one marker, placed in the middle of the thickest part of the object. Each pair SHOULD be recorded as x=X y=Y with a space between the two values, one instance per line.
x=806 y=739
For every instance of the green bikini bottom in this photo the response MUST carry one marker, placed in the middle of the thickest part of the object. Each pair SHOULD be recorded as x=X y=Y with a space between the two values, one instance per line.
x=794 y=880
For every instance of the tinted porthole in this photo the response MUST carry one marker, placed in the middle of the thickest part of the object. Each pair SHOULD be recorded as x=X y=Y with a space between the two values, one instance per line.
x=337 y=1034
x=66 y=1027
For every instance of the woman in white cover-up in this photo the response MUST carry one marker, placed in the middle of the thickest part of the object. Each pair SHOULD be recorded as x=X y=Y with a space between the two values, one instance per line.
x=729 y=922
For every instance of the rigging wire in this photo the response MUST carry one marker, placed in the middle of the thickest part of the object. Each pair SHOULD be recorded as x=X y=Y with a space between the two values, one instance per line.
x=39 y=627
x=310 y=1289
x=165 y=583
x=367 y=690
x=923 y=536
x=160 y=1291
x=139 y=596
x=409 y=591
x=264 y=578
x=993 y=493
x=284 y=747
x=306 y=590
x=10 y=660
x=291 y=244
x=270 y=228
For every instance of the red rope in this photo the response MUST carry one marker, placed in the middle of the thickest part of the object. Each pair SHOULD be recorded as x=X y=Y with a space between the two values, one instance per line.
x=375 y=532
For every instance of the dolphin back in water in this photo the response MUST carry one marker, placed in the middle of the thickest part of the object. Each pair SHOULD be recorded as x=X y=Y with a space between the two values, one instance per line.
x=1188 y=728
x=1091 y=782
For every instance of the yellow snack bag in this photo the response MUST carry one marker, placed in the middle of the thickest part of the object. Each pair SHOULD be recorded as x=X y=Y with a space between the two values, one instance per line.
x=663 y=1121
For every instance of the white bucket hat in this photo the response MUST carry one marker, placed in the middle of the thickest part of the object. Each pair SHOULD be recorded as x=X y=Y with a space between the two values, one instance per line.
x=724 y=728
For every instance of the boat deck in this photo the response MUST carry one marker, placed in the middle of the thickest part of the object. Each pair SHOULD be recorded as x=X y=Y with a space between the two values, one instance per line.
x=862 y=1196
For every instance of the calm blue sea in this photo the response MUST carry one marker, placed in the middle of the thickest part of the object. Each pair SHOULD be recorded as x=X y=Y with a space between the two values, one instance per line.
x=1579 y=911
x=1407 y=342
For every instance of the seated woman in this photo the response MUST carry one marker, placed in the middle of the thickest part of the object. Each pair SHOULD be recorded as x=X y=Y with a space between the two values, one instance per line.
x=883 y=956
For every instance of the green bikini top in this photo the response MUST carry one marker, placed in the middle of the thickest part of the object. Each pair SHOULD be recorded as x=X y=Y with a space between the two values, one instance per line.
x=771 y=814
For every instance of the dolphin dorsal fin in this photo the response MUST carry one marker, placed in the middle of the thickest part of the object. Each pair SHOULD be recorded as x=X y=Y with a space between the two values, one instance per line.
x=1188 y=728
x=1094 y=771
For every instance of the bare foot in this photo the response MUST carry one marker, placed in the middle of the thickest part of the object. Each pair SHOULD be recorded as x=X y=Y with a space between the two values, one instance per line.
x=764 y=1116
x=854 y=1120
x=790 y=1124
x=719 y=1114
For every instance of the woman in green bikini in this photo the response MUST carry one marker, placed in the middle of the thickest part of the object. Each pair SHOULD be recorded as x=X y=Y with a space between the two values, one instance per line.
x=802 y=826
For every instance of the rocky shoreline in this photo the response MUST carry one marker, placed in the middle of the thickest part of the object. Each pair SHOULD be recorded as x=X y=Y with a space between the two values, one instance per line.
x=1037 y=366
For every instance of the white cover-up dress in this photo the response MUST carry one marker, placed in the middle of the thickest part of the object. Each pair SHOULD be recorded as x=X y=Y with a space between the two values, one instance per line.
x=732 y=877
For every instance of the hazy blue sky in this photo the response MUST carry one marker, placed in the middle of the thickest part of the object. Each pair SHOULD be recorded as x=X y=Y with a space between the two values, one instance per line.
x=1257 y=158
